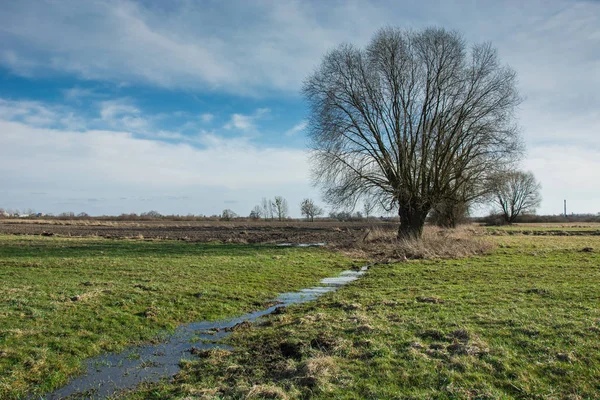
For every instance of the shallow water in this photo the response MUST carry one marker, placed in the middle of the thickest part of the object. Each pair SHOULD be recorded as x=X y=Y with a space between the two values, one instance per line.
x=111 y=373
x=318 y=244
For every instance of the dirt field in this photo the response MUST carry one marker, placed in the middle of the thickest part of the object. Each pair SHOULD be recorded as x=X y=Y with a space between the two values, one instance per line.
x=204 y=231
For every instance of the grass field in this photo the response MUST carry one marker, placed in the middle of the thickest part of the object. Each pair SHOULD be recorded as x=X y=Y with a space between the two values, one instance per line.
x=523 y=322
x=547 y=228
x=66 y=299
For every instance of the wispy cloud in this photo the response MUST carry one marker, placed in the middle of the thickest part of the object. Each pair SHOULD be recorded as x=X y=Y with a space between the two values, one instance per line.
x=78 y=93
x=241 y=122
x=299 y=127
x=38 y=114
x=191 y=45
x=117 y=114
x=122 y=114
x=246 y=122
x=30 y=112
x=86 y=161
x=116 y=108
x=207 y=117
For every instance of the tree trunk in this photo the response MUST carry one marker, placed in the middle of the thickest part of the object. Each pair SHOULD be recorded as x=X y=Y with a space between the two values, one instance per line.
x=412 y=221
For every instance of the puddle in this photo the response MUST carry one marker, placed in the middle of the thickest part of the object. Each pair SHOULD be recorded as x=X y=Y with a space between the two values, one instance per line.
x=318 y=244
x=108 y=374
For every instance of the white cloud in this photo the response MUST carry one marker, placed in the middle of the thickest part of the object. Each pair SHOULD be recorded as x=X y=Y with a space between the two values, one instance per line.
x=78 y=93
x=566 y=172
x=552 y=44
x=241 y=122
x=207 y=117
x=299 y=127
x=184 y=44
x=31 y=112
x=112 y=163
x=246 y=122
x=545 y=125
x=122 y=114
x=19 y=65
x=117 y=108
x=117 y=114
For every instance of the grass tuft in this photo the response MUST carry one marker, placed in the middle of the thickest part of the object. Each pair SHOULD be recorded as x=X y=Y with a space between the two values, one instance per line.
x=266 y=392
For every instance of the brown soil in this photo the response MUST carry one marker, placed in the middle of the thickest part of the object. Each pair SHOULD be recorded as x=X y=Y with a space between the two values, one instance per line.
x=329 y=232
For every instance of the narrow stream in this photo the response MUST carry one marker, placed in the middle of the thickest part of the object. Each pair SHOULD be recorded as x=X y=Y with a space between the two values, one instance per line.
x=108 y=374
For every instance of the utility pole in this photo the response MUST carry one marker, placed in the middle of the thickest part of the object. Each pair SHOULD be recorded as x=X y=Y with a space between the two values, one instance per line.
x=565 y=208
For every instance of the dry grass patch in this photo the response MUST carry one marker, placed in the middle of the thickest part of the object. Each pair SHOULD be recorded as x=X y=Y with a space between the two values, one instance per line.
x=266 y=392
x=318 y=371
x=436 y=243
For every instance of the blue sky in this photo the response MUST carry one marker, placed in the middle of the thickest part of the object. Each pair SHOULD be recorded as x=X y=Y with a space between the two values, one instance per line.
x=194 y=106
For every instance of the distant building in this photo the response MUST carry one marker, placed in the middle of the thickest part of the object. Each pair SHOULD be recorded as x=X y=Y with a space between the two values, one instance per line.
x=4 y=214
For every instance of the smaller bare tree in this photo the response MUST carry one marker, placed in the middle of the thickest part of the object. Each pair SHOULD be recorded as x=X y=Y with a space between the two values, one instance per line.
x=256 y=213
x=515 y=193
x=228 y=215
x=267 y=209
x=310 y=210
x=280 y=207
x=369 y=205
x=450 y=214
x=151 y=214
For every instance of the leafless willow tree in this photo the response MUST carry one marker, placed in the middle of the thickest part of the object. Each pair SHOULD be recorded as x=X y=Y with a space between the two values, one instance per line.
x=414 y=119
x=280 y=207
x=515 y=193
x=310 y=210
x=267 y=209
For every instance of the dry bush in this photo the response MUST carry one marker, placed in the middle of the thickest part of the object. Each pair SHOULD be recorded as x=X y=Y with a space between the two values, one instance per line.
x=266 y=392
x=463 y=241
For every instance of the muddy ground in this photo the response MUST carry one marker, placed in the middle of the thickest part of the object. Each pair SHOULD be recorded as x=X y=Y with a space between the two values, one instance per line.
x=226 y=232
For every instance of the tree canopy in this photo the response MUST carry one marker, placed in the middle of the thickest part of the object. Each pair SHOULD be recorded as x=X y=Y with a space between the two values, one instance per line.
x=414 y=119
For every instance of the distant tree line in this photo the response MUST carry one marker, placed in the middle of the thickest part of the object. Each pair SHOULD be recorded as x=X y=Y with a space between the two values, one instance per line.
x=513 y=196
x=494 y=218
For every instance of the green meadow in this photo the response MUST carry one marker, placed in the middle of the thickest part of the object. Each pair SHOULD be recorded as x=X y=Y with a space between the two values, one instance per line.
x=66 y=299
x=520 y=323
